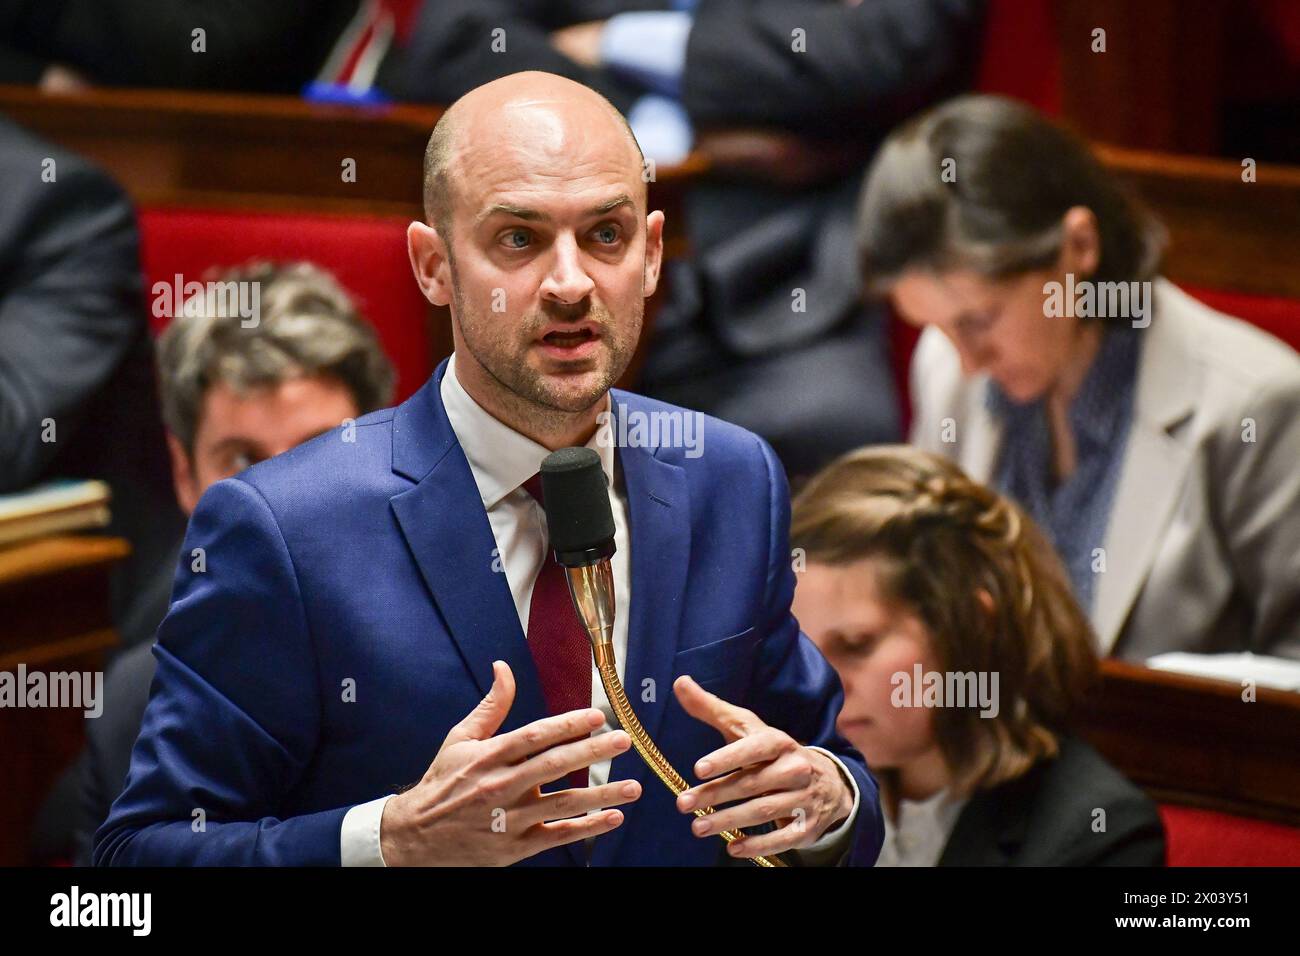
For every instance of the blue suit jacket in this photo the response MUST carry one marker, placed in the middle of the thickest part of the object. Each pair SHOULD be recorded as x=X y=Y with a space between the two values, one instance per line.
x=371 y=561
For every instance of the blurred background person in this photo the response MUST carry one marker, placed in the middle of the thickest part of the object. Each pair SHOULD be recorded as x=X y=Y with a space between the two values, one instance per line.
x=78 y=397
x=761 y=324
x=913 y=569
x=245 y=44
x=1157 y=447
x=231 y=397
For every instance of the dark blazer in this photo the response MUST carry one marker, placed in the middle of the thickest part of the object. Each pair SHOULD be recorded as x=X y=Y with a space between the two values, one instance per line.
x=250 y=44
x=1046 y=818
x=359 y=560
x=75 y=348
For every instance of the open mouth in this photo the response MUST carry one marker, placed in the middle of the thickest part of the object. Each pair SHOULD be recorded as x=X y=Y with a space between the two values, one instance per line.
x=570 y=343
x=568 y=339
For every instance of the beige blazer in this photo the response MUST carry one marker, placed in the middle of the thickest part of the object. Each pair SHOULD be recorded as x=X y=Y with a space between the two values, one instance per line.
x=1202 y=548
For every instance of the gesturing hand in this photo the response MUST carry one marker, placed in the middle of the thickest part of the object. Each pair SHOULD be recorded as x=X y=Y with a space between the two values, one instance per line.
x=480 y=802
x=771 y=775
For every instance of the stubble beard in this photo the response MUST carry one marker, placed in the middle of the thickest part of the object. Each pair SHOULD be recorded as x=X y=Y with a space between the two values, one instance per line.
x=525 y=393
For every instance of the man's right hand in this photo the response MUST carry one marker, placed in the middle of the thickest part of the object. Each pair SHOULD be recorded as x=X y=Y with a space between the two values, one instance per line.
x=480 y=802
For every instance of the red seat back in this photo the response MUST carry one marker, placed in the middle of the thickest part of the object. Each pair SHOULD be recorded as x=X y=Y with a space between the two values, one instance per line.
x=366 y=254
x=1020 y=55
x=1208 y=838
x=1275 y=315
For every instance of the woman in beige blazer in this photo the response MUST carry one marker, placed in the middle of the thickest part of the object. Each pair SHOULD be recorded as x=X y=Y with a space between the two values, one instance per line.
x=1156 y=440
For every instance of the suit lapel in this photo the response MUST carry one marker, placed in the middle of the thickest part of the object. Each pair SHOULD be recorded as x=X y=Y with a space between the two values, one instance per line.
x=659 y=526
x=447 y=530
x=1154 y=467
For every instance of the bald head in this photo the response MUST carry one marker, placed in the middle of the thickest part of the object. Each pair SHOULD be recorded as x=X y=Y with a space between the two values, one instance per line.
x=523 y=110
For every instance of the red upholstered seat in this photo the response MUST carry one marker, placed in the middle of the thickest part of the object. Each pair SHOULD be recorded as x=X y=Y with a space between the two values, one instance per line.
x=1275 y=315
x=366 y=254
x=1019 y=55
x=1207 y=838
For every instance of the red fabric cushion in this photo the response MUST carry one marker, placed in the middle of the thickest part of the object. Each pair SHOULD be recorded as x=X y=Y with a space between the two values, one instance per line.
x=1020 y=56
x=902 y=342
x=1277 y=316
x=1207 y=838
x=366 y=254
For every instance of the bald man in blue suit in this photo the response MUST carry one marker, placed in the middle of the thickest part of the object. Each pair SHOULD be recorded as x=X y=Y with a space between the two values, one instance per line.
x=349 y=672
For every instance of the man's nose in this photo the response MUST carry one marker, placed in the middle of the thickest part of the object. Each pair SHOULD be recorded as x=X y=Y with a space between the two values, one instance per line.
x=568 y=281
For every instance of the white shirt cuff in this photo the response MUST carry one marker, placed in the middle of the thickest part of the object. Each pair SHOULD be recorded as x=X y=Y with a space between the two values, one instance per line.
x=359 y=835
x=831 y=844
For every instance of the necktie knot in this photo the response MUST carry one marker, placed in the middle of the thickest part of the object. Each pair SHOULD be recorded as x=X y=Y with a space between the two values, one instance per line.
x=534 y=487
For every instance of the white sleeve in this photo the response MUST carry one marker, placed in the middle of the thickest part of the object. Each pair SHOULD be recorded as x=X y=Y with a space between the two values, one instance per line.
x=359 y=834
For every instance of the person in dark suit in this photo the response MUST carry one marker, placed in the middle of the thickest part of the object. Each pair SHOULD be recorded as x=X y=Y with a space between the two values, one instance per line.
x=78 y=397
x=763 y=325
x=231 y=397
x=245 y=44
x=379 y=606
x=962 y=650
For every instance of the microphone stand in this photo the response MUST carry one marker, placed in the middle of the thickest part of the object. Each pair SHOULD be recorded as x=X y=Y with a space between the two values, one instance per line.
x=591 y=586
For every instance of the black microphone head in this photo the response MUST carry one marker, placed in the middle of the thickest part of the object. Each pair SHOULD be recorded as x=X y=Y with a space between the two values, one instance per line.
x=576 y=498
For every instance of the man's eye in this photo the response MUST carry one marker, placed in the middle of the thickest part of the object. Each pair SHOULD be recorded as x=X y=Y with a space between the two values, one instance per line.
x=607 y=234
x=516 y=234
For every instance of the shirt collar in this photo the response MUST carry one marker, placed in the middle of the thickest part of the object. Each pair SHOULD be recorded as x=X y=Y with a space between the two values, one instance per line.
x=500 y=458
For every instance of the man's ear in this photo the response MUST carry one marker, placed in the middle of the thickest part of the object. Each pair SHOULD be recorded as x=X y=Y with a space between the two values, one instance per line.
x=429 y=262
x=654 y=251
x=183 y=477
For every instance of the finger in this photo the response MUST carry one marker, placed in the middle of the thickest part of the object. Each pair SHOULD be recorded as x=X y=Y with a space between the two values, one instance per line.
x=562 y=760
x=770 y=808
x=763 y=747
x=785 y=773
x=580 y=800
x=733 y=721
x=486 y=719
x=540 y=735
x=546 y=836
x=793 y=836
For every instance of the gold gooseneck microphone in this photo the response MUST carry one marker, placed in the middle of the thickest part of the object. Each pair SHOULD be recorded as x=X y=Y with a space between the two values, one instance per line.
x=581 y=528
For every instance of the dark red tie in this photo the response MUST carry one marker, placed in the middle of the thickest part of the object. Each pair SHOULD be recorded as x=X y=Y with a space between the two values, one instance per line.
x=557 y=640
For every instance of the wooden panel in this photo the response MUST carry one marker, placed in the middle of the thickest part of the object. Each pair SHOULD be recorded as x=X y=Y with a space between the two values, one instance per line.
x=1195 y=742
x=1158 y=85
x=1224 y=233
x=263 y=152
x=54 y=616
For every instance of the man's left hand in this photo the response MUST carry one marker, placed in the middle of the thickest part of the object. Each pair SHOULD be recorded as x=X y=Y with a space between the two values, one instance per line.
x=773 y=776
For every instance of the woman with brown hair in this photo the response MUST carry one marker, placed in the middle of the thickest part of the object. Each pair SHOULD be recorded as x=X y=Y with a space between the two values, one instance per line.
x=1153 y=439
x=962 y=651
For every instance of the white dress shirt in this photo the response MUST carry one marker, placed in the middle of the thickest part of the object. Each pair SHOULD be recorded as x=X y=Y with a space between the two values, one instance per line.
x=920 y=833
x=501 y=460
